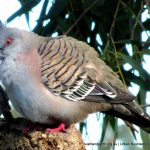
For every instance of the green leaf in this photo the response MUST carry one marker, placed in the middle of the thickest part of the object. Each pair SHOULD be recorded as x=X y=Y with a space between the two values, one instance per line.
x=82 y=125
x=25 y=8
x=104 y=127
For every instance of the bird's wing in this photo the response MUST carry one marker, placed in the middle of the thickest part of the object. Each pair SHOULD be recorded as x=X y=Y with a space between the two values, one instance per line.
x=73 y=70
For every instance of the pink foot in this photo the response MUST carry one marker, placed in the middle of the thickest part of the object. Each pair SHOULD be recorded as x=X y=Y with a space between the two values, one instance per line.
x=61 y=127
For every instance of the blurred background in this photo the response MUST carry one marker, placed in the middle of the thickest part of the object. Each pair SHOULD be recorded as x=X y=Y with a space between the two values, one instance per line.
x=119 y=31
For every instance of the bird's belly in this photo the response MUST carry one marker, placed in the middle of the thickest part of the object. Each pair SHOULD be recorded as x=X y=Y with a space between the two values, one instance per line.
x=29 y=104
x=44 y=107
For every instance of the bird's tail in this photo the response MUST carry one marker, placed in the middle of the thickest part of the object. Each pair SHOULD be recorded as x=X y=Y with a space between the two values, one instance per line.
x=132 y=113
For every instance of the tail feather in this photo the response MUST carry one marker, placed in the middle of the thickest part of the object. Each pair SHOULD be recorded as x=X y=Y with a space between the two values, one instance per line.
x=132 y=113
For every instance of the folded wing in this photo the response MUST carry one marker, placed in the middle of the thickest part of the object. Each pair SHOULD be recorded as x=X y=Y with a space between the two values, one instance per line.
x=68 y=70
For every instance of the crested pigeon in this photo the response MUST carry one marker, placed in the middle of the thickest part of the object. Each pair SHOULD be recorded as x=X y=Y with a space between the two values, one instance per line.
x=61 y=80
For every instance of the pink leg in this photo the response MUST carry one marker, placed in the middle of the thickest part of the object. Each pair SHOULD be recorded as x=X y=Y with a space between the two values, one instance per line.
x=61 y=127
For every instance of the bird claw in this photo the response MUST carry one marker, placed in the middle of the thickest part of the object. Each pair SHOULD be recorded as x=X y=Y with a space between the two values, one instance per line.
x=61 y=127
x=35 y=127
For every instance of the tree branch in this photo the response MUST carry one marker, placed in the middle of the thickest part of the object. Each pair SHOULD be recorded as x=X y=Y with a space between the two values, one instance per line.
x=12 y=138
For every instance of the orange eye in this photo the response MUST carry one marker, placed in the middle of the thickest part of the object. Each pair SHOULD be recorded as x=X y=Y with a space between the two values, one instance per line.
x=8 y=41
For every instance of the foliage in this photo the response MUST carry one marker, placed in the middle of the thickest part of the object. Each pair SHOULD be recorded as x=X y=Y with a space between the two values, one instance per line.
x=115 y=23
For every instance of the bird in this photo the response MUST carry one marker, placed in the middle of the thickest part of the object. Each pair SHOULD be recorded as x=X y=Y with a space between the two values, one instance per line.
x=55 y=80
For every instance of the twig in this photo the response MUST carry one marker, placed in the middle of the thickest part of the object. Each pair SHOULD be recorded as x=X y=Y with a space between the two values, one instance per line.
x=80 y=17
x=115 y=15
x=137 y=21
x=111 y=38
x=113 y=23
x=140 y=23
x=119 y=68
x=143 y=106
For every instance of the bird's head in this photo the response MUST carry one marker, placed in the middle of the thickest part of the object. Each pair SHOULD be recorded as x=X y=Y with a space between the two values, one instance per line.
x=15 y=41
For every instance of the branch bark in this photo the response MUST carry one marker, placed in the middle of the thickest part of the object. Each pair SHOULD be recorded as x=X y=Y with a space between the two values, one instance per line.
x=12 y=138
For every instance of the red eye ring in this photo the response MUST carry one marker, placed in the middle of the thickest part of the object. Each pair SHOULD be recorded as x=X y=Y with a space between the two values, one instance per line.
x=8 y=41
